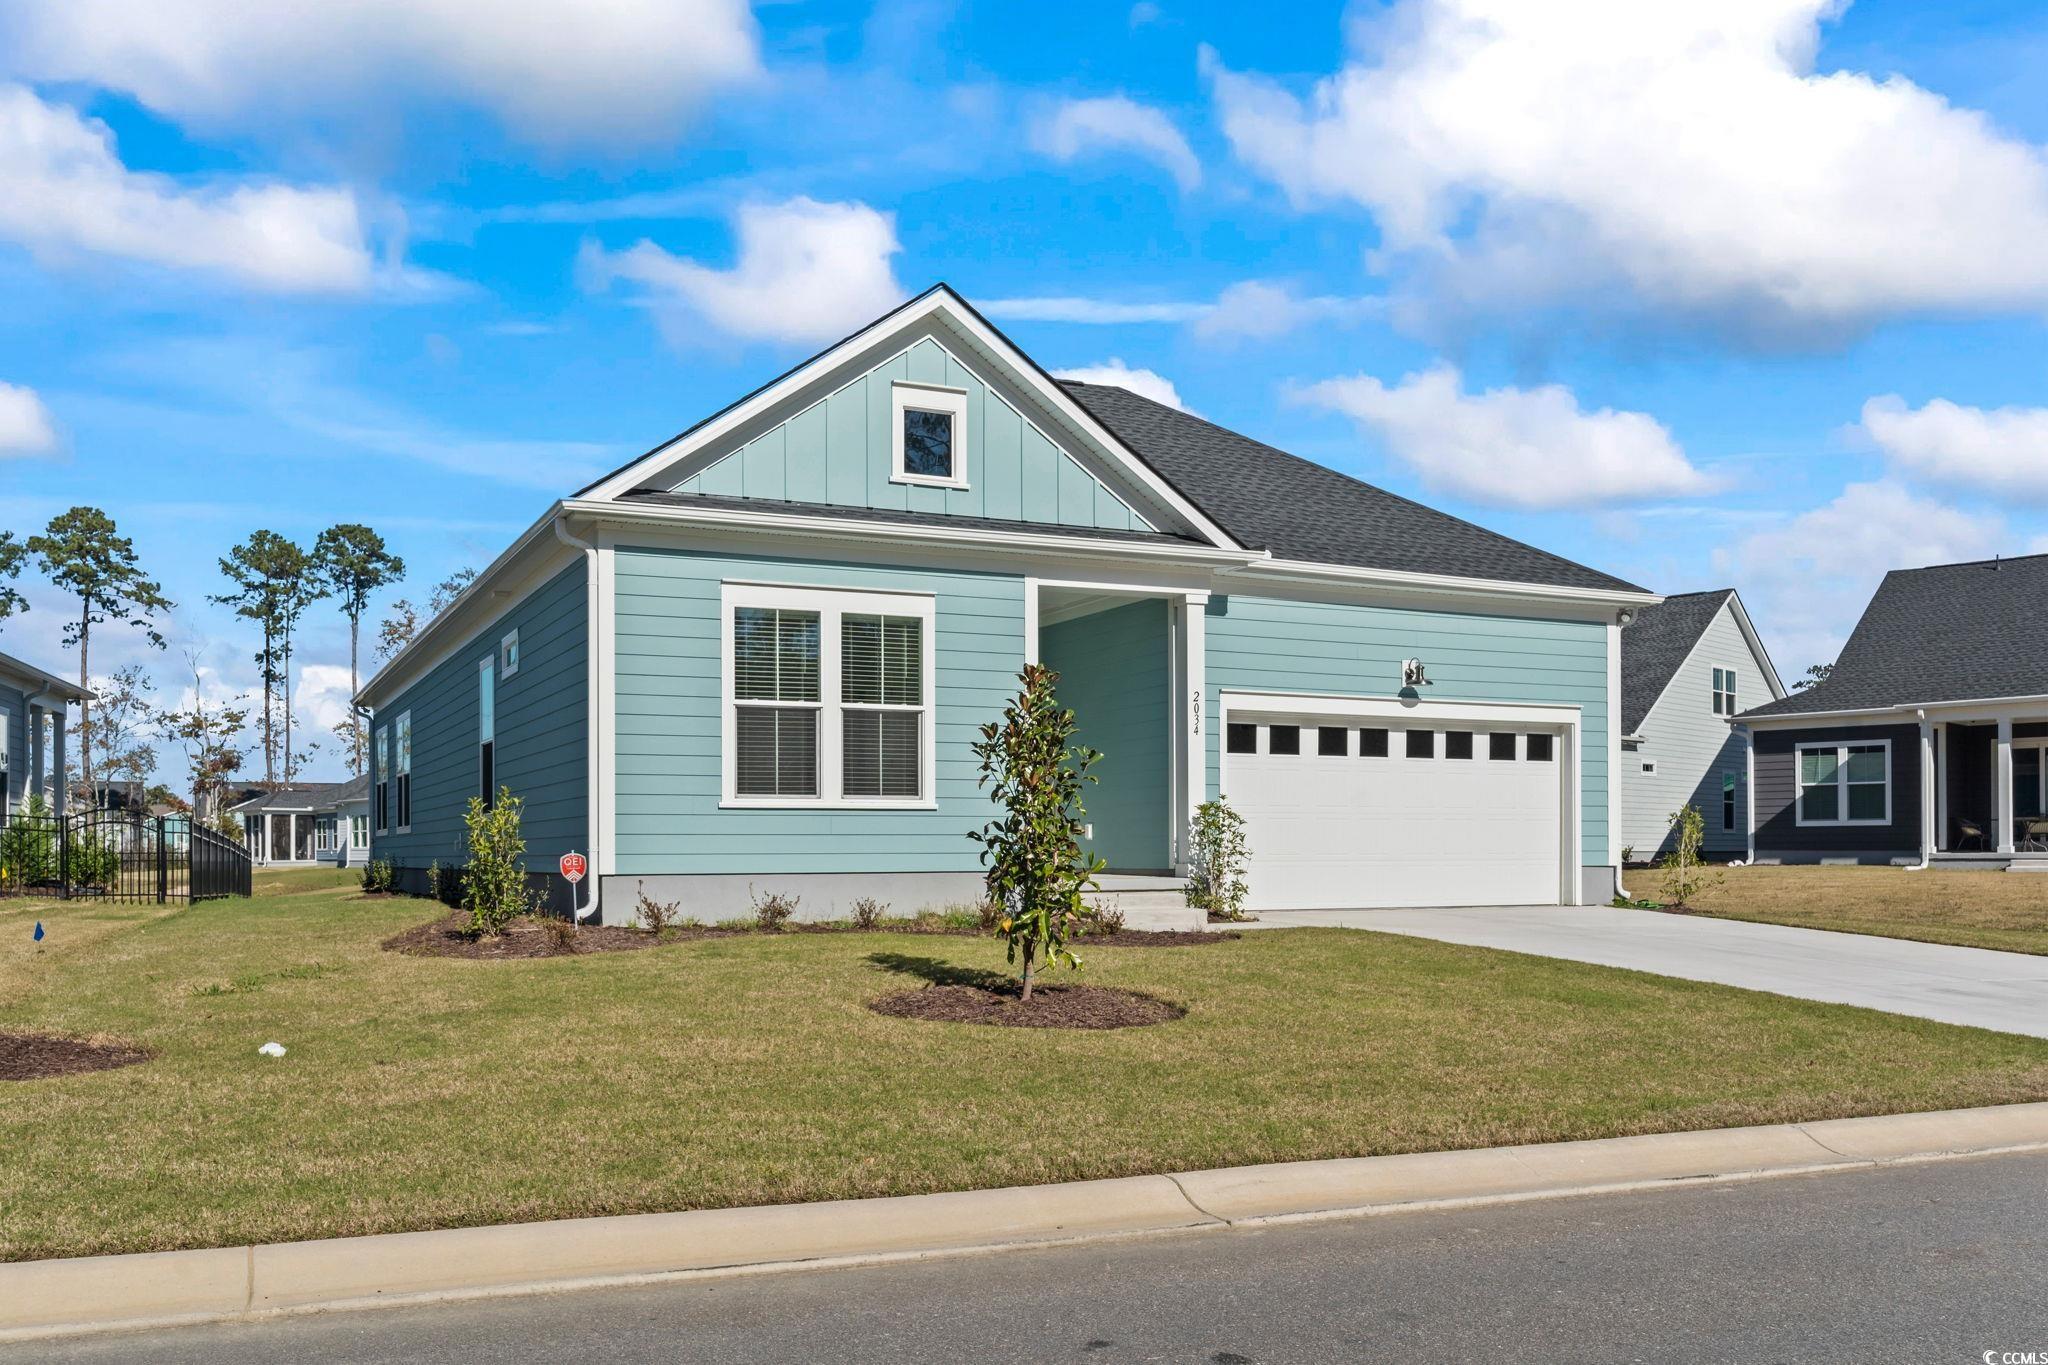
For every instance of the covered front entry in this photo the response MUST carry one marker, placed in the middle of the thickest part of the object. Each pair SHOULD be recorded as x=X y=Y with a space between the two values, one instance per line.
x=1354 y=803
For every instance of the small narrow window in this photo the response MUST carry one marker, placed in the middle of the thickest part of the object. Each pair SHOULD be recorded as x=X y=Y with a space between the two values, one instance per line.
x=1283 y=739
x=402 y=741
x=1242 y=738
x=1728 y=801
x=508 y=655
x=486 y=732
x=1332 y=741
x=1540 y=747
x=382 y=761
x=1422 y=744
x=1500 y=747
x=1372 y=743
x=1457 y=744
x=1724 y=691
x=1650 y=765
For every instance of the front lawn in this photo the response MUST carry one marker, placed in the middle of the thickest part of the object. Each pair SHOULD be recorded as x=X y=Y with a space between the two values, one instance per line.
x=1974 y=909
x=433 y=1092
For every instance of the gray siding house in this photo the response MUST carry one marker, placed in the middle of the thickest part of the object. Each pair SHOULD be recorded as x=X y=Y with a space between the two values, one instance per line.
x=1688 y=665
x=757 y=657
x=1928 y=743
x=35 y=711
x=308 y=824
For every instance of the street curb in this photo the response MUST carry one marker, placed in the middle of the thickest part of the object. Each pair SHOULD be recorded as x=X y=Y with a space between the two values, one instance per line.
x=112 y=1293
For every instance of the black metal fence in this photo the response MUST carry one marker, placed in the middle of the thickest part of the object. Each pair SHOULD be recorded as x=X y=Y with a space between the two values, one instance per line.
x=119 y=856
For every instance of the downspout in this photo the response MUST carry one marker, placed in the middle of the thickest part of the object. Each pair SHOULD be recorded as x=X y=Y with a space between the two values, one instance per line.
x=1927 y=781
x=593 y=695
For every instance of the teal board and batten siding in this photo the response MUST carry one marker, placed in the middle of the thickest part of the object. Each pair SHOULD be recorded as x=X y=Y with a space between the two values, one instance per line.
x=1271 y=645
x=1113 y=670
x=669 y=693
x=840 y=451
x=542 y=734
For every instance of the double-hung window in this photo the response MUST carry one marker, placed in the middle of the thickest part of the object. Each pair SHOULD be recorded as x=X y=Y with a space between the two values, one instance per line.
x=486 y=731
x=402 y=742
x=1724 y=691
x=382 y=762
x=1845 y=784
x=828 y=697
x=359 y=831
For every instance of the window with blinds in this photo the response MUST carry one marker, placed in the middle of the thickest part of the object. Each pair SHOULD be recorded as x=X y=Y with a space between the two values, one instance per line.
x=777 y=699
x=881 y=693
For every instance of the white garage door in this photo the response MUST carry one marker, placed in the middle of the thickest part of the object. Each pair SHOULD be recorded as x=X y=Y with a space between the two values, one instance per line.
x=1342 y=815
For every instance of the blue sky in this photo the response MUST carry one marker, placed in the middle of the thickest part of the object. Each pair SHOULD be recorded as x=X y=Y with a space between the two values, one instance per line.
x=1709 y=294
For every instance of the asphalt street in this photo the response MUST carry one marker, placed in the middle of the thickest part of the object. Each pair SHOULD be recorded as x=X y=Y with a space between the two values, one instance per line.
x=1926 y=1264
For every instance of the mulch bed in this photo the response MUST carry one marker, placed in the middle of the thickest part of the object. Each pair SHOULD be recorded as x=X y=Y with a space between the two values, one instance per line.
x=1148 y=938
x=449 y=936
x=1094 y=1007
x=32 y=1056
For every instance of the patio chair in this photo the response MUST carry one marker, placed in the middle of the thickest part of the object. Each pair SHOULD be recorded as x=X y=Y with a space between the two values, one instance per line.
x=2033 y=834
x=1967 y=830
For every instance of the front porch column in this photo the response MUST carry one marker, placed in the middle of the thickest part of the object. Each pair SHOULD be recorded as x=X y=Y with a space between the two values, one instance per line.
x=57 y=781
x=1941 y=742
x=2001 y=799
x=35 y=750
x=1927 y=786
x=1194 y=609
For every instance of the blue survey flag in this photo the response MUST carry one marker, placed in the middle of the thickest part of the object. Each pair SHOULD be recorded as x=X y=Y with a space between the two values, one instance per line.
x=39 y=931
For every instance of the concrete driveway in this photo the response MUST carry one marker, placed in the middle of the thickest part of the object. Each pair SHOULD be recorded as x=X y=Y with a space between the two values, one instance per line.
x=1973 y=986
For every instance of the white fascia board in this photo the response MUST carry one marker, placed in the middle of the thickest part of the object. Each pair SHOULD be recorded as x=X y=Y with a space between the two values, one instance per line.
x=433 y=644
x=943 y=303
x=34 y=679
x=1445 y=585
x=805 y=526
x=1353 y=705
x=1756 y=646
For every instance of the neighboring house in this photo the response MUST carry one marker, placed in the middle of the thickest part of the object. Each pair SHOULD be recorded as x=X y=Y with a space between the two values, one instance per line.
x=307 y=824
x=1928 y=741
x=34 y=720
x=756 y=658
x=1688 y=665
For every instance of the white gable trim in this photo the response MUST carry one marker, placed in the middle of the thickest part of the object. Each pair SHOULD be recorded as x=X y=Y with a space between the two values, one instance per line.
x=1756 y=646
x=940 y=303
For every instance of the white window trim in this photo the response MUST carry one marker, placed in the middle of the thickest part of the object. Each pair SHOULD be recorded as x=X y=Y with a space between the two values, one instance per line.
x=508 y=654
x=831 y=604
x=1840 y=748
x=364 y=841
x=1724 y=697
x=904 y=394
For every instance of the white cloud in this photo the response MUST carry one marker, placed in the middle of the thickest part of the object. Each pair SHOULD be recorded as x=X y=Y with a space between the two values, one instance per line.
x=1145 y=383
x=1256 y=310
x=1093 y=312
x=2002 y=450
x=1514 y=447
x=1083 y=127
x=26 y=427
x=321 y=700
x=807 y=271
x=1145 y=12
x=1809 y=578
x=64 y=192
x=1687 y=152
x=599 y=71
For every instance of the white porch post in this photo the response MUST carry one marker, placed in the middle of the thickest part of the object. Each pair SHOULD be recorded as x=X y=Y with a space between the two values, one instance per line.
x=35 y=750
x=1193 y=706
x=57 y=782
x=1926 y=790
x=1941 y=742
x=2001 y=799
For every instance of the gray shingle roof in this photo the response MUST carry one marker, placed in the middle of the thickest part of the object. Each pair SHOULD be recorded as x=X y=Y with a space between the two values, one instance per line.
x=1656 y=644
x=317 y=796
x=1301 y=510
x=1953 y=632
x=890 y=516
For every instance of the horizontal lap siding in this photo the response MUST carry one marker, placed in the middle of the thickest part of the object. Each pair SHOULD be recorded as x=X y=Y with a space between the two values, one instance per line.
x=1692 y=747
x=542 y=734
x=667 y=659
x=1268 y=644
x=1777 y=786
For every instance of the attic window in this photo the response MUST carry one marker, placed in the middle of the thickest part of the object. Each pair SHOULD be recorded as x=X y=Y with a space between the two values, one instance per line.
x=930 y=435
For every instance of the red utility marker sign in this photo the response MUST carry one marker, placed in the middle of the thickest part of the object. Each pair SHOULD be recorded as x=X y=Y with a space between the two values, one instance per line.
x=574 y=865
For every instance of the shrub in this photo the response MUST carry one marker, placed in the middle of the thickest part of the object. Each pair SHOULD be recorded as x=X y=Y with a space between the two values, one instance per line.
x=561 y=934
x=1106 y=918
x=868 y=913
x=988 y=915
x=1216 y=883
x=28 y=846
x=1037 y=871
x=1628 y=854
x=91 y=860
x=494 y=885
x=1685 y=876
x=378 y=876
x=773 y=910
x=657 y=917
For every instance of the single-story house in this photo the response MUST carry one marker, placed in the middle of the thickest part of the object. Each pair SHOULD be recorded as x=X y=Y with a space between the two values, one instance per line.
x=757 y=657
x=1687 y=666
x=34 y=717
x=308 y=824
x=1928 y=742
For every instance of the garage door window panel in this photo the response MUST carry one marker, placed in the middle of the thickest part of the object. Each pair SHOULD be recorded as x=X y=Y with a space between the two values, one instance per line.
x=1500 y=747
x=1372 y=743
x=1283 y=739
x=1421 y=744
x=1331 y=741
x=1457 y=744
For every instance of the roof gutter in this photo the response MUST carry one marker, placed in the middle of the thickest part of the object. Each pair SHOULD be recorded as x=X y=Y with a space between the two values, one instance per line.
x=1907 y=708
x=1307 y=571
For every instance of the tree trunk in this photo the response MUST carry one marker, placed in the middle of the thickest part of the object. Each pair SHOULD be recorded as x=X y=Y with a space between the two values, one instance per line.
x=1030 y=951
x=355 y=717
x=84 y=703
x=269 y=714
x=287 y=701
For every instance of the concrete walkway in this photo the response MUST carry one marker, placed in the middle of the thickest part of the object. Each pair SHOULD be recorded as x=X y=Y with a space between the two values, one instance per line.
x=1973 y=986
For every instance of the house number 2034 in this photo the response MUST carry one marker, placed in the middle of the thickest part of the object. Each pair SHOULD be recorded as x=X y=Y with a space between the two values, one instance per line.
x=1195 y=719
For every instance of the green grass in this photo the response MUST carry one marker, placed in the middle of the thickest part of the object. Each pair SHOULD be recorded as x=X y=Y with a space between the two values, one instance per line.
x=1973 y=909
x=432 y=1092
